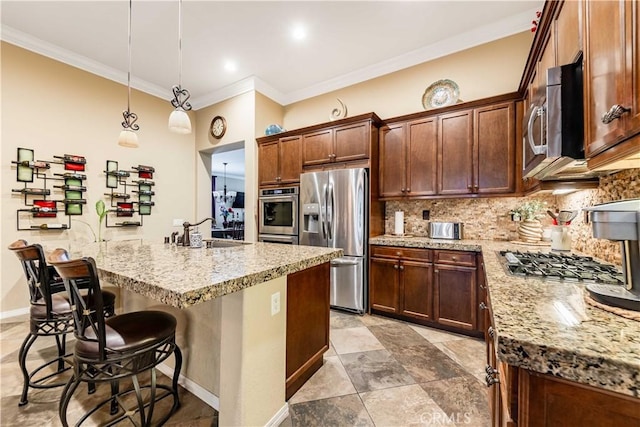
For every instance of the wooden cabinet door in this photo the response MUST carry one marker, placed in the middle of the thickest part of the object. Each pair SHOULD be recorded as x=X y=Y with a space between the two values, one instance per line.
x=546 y=401
x=290 y=155
x=352 y=142
x=455 y=153
x=383 y=285
x=422 y=157
x=416 y=289
x=494 y=149
x=569 y=32
x=454 y=296
x=307 y=324
x=268 y=163
x=392 y=161
x=548 y=60
x=633 y=69
x=604 y=73
x=317 y=147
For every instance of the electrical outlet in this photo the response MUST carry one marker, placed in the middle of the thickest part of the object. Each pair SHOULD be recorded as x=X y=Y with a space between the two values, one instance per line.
x=275 y=303
x=425 y=214
x=178 y=222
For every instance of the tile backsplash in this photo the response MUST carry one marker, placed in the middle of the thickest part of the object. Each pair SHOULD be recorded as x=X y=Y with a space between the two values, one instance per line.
x=488 y=218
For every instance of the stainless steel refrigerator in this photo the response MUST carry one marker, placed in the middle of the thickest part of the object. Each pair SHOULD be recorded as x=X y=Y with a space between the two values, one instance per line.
x=333 y=213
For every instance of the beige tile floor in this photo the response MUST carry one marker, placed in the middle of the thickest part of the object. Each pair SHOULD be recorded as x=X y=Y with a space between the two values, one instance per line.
x=378 y=372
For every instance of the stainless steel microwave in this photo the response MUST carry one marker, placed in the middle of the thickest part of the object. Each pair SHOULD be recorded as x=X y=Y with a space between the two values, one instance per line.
x=278 y=211
x=553 y=128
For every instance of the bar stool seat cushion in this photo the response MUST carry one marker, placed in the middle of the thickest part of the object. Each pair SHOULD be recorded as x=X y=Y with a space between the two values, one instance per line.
x=130 y=331
x=61 y=306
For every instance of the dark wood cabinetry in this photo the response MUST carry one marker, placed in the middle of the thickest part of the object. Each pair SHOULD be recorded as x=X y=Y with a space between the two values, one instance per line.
x=415 y=146
x=280 y=161
x=425 y=286
x=465 y=152
x=338 y=144
x=400 y=282
x=455 y=293
x=307 y=324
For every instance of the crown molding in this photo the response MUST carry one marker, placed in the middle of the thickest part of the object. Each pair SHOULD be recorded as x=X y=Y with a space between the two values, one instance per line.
x=478 y=36
x=485 y=34
x=39 y=46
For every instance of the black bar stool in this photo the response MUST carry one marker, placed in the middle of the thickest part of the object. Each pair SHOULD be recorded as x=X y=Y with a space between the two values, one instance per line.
x=115 y=348
x=49 y=315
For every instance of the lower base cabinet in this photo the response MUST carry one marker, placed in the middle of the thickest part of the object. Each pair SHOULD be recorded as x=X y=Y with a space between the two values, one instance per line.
x=431 y=287
x=307 y=324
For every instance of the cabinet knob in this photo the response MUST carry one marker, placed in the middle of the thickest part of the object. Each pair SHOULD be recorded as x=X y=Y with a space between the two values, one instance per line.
x=491 y=332
x=454 y=258
x=403 y=190
x=469 y=187
x=476 y=187
x=491 y=380
x=436 y=271
x=615 y=112
x=395 y=266
x=490 y=370
x=402 y=267
x=408 y=190
x=482 y=306
x=398 y=253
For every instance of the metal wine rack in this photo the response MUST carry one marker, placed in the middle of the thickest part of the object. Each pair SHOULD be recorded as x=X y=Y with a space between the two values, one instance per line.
x=37 y=201
x=129 y=196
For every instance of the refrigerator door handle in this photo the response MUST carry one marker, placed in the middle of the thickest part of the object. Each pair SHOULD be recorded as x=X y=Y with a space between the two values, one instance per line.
x=341 y=261
x=328 y=196
x=322 y=208
x=331 y=219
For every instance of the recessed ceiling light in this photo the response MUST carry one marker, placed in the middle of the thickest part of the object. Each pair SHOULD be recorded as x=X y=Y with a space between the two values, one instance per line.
x=299 y=32
x=230 y=66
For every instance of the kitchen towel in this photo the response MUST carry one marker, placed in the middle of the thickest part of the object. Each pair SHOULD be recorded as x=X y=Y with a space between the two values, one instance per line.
x=399 y=223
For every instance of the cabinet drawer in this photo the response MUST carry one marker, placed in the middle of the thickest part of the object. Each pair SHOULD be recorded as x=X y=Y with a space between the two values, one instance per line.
x=405 y=253
x=455 y=257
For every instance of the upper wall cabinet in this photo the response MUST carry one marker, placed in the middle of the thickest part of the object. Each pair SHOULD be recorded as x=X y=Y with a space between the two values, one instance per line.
x=465 y=152
x=612 y=81
x=336 y=144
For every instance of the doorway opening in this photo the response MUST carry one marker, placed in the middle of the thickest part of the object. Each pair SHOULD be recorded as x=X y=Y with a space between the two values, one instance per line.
x=228 y=191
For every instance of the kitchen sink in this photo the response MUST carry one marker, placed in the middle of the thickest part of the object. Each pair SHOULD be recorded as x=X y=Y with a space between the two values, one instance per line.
x=224 y=243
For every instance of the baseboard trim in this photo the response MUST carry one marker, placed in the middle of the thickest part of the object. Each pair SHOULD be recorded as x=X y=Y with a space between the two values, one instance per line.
x=14 y=313
x=203 y=394
x=279 y=416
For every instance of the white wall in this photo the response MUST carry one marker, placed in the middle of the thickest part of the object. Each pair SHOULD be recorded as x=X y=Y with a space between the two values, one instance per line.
x=56 y=109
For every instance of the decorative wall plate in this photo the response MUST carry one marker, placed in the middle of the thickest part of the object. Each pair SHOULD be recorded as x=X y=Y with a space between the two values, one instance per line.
x=440 y=94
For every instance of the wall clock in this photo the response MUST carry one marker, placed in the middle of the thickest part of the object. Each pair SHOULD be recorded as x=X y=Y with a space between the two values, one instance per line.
x=218 y=127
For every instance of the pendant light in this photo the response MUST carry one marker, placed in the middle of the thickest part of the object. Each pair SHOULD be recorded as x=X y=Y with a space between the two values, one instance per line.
x=179 y=121
x=128 y=137
x=224 y=188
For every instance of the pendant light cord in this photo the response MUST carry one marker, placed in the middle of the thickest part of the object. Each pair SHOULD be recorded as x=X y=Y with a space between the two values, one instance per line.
x=129 y=69
x=180 y=43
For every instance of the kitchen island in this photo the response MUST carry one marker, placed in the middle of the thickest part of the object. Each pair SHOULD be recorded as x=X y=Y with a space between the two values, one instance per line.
x=546 y=327
x=232 y=337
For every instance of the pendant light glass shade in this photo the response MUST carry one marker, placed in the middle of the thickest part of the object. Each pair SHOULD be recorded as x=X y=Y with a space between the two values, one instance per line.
x=179 y=121
x=128 y=138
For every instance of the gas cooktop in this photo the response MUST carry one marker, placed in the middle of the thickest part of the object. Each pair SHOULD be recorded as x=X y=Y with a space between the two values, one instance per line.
x=560 y=267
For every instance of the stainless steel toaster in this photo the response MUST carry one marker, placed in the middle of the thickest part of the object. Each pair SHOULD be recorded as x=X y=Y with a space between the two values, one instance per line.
x=445 y=230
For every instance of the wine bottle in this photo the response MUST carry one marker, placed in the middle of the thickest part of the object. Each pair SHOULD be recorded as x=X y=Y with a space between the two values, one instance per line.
x=125 y=210
x=70 y=175
x=69 y=158
x=144 y=182
x=141 y=168
x=33 y=164
x=144 y=192
x=49 y=226
x=74 y=201
x=128 y=223
x=43 y=209
x=120 y=173
x=146 y=203
x=34 y=191
x=71 y=187
x=117 y=195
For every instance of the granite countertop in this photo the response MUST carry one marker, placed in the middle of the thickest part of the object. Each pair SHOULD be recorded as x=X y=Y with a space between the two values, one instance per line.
x=547 y=326
x=183 y=276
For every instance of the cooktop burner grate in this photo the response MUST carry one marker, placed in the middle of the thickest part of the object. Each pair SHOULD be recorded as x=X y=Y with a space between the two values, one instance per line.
x=560 y=267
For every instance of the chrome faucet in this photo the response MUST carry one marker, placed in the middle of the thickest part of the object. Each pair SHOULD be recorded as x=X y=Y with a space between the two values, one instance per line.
x=185 y=238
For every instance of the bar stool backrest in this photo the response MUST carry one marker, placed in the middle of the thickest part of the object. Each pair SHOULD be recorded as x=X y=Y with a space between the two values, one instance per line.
x=88 y=311
x=36 y=271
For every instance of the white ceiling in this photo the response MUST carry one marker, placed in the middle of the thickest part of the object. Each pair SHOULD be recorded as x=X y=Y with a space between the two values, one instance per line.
x=347 y=42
